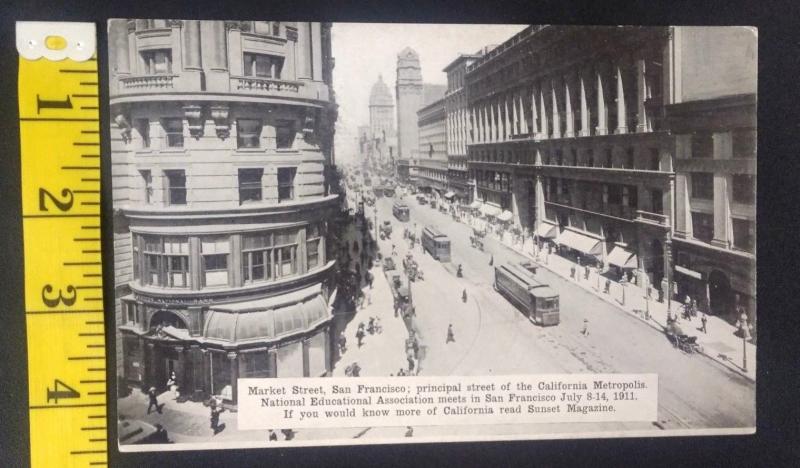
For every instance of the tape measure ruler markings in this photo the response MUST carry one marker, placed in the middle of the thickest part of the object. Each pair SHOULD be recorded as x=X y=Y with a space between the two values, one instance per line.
x=60 y=161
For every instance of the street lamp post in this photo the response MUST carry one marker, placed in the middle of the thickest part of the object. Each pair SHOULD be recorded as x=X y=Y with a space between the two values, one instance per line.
x=745 y=336
x=668 y=255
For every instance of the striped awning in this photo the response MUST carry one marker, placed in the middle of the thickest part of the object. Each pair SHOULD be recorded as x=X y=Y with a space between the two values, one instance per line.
x=622 y=258
x=490 y=210
x=580 y=242
x=547 y=230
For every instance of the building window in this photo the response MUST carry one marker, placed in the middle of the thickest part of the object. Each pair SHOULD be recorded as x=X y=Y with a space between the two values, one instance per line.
x=136 y=258
x=284 y=134
x=248 y=133
x=286 y=183
x=744 y=144
x=176 y=187
x=254 y=365
x=147 y=180
x=633 y=196
x=166 y=262
x=250 y=185
x=657 y=201
x=176 y=259
x=285 y=253
x=614 y=195
x=744 y=233
x=256 y=257
x=703 y=226
x=654 y=159
x=262 y=65
x=131 y=316
x=154 y=24
x=215 y=261
x=143 y=128
x=157 y=62
x=703 y=185
x=173 y=132
x=702 y=145
x=590 y=158
x=609 y=160
x=629 y=158
x=153 y=251
x=574 y=160
x=744 y=188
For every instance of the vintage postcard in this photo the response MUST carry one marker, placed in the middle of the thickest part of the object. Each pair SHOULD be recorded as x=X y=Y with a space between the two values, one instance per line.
x=355 y=233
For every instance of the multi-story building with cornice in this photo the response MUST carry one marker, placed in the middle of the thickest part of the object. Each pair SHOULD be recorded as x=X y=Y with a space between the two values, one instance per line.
x=568 y=143
x=221 y=150
x=607 y=140
x=409 y=91
x=431 y=163
x=383 y=139
x=711 y=110
x=457 y=127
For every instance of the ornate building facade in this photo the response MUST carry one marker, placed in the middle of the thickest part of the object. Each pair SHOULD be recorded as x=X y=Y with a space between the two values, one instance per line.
x=631 y=147
x=712 y=113
x=409 y=92
x=221 y=155
x=568 y=146
x=383 y=138
x=457 y=128
x=432 y=161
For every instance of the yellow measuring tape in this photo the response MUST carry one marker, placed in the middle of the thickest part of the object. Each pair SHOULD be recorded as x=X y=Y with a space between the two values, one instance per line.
x=60 y=160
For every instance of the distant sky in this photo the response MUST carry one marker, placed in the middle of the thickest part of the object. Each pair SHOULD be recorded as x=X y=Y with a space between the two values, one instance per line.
x=365 y=50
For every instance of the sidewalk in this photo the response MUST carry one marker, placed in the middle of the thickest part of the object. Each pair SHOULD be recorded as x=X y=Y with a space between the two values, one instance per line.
x=720 y=343
x=381 y=354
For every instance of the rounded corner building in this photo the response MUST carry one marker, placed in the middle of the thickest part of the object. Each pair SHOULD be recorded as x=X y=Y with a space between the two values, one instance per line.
x=221 y=151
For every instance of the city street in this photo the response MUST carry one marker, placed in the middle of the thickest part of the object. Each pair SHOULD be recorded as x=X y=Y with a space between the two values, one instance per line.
x=492 y=337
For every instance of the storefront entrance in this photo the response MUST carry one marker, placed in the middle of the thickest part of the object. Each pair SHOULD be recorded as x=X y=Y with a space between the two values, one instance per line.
x=719 y=294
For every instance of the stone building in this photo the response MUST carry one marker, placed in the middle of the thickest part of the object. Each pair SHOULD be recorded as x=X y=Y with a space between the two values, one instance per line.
x=431 y=163
x=457 y=128
x=590 y=138
x=409 y=92
x=221 y=152
x=568 y=145
x=383 y=139
x=711 y=111
x=412 y=95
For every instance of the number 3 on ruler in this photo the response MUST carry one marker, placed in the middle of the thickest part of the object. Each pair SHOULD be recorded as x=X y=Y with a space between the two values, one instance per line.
x=53 y=302
x=61 y=390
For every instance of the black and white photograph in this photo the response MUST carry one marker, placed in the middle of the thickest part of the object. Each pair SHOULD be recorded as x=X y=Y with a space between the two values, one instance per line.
x=400 y=203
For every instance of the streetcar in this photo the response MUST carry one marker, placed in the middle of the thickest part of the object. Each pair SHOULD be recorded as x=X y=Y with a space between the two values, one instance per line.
x=538 y=301
x=400 y=211
x=436 y=243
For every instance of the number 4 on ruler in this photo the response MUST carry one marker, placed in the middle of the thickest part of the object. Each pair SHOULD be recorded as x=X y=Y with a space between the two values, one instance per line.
x=61 y=390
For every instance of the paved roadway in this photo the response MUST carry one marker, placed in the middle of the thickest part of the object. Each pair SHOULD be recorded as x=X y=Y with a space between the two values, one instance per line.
x=492 y=337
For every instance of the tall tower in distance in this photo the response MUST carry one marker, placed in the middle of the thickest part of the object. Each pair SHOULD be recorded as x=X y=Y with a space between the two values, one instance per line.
x=409 y=99
x=381 y=111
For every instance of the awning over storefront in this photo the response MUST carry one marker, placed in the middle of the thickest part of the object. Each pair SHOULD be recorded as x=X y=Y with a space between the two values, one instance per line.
x=449 y=195
x=267 y=319
x=547 y=230
x=580 y=242
x=490 y=210
x=505 y=216
x=688 y=272
x=622 y=258
x=475 y=205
